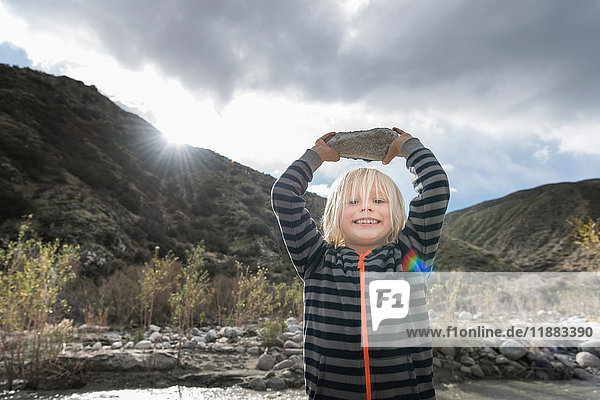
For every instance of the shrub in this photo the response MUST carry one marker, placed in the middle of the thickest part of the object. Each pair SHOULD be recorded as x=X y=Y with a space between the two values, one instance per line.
x=33 y=275
x=255 y=296
x=191 y=290
x=269 y=331
x=156 y=285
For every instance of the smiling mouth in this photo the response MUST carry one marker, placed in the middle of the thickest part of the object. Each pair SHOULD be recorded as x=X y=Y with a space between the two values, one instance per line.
x=367 y=221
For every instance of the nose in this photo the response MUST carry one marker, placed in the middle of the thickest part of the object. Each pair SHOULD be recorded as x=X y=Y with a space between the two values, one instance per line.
x=363 y=209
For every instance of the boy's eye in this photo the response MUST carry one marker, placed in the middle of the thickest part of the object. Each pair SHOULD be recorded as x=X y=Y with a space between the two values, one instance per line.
x=353 y=202
x=378 y=201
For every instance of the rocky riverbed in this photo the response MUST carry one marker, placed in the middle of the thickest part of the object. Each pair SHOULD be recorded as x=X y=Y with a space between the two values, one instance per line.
x=225 y=356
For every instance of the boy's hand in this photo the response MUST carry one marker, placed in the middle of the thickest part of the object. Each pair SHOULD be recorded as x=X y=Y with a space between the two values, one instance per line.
x=325 y=152
x=394 y=150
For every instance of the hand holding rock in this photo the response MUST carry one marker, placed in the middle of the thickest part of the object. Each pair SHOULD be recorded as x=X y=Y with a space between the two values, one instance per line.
x=324 y=150
x=394 y=150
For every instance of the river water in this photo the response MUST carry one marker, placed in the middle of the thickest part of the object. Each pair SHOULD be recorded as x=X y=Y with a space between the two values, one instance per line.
x=471 y=390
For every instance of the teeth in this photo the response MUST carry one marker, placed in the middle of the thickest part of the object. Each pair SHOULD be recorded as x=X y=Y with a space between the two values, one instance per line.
x=366 y=221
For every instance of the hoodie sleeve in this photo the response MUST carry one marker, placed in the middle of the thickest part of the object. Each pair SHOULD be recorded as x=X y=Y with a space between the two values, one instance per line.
x=427 y=210
x=304 y=243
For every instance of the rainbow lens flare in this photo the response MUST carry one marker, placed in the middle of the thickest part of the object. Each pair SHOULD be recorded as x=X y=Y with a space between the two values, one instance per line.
x=412 y=263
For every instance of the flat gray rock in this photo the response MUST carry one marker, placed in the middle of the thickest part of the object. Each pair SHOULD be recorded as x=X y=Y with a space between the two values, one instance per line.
x=370 y=145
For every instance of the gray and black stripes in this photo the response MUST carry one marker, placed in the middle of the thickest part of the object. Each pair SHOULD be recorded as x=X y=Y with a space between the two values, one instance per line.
x=333 y=356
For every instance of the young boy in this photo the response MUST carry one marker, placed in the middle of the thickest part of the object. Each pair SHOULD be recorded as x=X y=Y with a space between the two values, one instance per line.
x=365 y=230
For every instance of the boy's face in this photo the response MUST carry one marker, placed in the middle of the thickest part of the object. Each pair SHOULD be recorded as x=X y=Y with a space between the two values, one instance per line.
x=366 y=224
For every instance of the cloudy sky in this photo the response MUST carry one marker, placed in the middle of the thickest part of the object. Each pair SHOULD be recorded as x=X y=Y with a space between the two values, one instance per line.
x=506 y=94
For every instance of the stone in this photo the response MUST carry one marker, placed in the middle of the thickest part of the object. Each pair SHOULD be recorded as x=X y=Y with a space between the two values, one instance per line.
x=154 y=328
x=298 y=338
x=587 y=359
x=254 y=350
x=291 y=352
x=195 y=332
x=591 y=346
x=97 y=346
x=257 y=384
x=293 y=328
x=129 y=345
x=291 y=321
x=198 y=340
x=276 y=383
x=223 y=339
x=143 y=345
x=448 y=351
x=288 y=335
x=269 y=374
x=190 y=344
x=539 y=355
x=287 y=374
x=265 y=362
x=297 y=360
x=240 y=349
x=116 y=345
x=369 y=145
x=112 y=336
x=217 y=347
x=211 y=336
x=501 y=360
x=466 y=360
x=290 y=344
x=477 y=371
x=512 y=350
x=517 y=366
x=437 y=363
x=582 y=374
x=155 y=336
x=230 y=332
x=465 y=370
x=566 y=360
x=283 y=364
x=489 y=353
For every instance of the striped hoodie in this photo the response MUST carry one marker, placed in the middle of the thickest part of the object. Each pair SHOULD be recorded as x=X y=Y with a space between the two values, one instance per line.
x=335 y=364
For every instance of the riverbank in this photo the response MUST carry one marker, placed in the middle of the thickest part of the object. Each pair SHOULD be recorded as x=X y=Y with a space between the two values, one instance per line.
x=104 y=359
x=470 y=390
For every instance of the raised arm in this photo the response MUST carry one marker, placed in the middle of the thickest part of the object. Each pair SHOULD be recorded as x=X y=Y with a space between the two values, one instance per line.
x=303 y=241
x=427 y=210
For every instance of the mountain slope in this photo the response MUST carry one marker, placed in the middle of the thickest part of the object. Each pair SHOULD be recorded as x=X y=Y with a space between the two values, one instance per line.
x=96 y=175
x=529 y=228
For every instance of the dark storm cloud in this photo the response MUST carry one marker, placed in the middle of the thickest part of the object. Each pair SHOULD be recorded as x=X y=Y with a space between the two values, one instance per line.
x=526 y=56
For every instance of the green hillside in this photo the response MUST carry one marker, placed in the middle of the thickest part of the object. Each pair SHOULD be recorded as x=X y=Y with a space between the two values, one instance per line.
x=527 y=229
x=94 y=174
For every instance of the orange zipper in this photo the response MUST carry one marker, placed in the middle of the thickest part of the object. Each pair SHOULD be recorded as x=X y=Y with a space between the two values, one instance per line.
x=363 y=316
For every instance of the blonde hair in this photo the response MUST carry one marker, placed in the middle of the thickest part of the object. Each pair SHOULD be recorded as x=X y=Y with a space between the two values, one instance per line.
x=357 y=184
